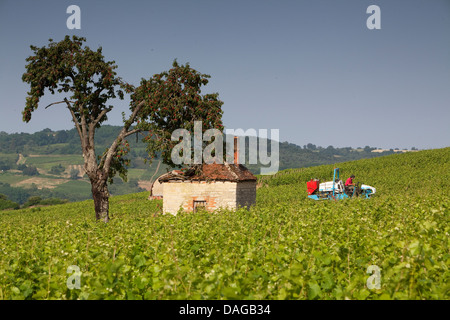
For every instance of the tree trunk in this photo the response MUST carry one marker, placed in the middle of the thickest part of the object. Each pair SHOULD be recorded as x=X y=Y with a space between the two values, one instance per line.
x=101 y=199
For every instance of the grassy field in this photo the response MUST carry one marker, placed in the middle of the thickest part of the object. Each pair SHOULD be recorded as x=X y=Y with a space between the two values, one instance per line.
x=135 y=173
x=46 y=162
x=60 y=183
x=9 y=157
x=285 y=247
x=12 y=177
x=78 y=188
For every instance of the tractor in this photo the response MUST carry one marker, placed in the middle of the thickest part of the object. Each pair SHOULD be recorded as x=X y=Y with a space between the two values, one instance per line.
x=336 y=190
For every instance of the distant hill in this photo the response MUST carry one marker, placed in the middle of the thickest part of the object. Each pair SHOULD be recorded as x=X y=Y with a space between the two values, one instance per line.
x=48 y=164
x=48 y=142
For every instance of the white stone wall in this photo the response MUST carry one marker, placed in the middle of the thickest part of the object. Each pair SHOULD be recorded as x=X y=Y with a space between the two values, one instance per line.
x=217 y=194
x=157 y=189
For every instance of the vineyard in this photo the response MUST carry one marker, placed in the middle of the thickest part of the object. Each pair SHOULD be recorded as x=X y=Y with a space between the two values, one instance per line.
x=285 y=247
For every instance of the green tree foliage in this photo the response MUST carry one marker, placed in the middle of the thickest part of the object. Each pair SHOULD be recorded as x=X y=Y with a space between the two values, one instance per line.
x=30 y=171
x=68 y=67
x=32 y=201
x=4 y=165
x=74 y=174
x=5 y=203
x=38 y=201
x=58 y=170
x=173 y=100
x=167 y=101
x=21 y=195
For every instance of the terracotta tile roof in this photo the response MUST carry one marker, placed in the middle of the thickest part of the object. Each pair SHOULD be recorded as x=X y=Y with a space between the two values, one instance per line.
x=210 y=172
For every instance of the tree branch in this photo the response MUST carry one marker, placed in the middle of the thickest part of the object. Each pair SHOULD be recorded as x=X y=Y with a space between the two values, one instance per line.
x=133 y=115
x=64 y=101
x=100 y=116
x=97 y=92
x=91 y=134
x=129 y=133
x=83 y=126
x=96 y=96
x=107 y=157
x=77 y=125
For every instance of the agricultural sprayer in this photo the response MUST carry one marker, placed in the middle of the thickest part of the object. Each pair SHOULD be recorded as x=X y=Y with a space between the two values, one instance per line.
x=336 y=190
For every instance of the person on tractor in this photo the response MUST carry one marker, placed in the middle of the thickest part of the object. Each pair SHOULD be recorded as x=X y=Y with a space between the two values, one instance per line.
x=350 y=186
x=349 y=181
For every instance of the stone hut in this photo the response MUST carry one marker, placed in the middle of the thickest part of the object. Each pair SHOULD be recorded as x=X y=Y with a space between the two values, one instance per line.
x=156 y=190
x=210 y=186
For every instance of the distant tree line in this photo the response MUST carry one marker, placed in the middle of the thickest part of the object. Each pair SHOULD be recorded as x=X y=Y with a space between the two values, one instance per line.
x=67 y=142
x=18 y=197
x=63 y=141
x=294 y=156
x=28 y=170
x=57 y=170
x=7 y=204
x=22 y=195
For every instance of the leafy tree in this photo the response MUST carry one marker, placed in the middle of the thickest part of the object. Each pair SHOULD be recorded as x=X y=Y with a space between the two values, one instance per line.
x=74 y=174
x=161 y=104
x=8 y=204
x=30 y=171
x=57 y=169
x=4 y=165
x=15 y=194
x=311 y=146
x=61 y=136
x=32 y=201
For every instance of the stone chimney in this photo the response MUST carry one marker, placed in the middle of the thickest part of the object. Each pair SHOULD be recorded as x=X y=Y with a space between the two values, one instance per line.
x=236 y=150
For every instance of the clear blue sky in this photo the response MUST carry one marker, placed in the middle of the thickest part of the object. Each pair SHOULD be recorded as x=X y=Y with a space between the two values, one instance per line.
x=311 y=68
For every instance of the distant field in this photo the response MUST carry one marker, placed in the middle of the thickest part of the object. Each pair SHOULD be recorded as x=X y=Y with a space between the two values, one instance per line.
x=135 y=173
x=60 y=185
x=10 y=157
x=48 y=149
x=46 y=162
x=76 y=189
x=40 y=182
x=75 y=186
x=12 y=178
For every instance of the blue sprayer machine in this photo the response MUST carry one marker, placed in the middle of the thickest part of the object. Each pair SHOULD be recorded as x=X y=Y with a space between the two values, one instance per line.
x=336 y=190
